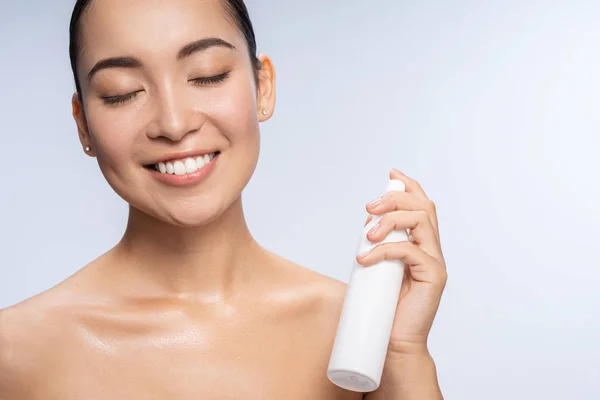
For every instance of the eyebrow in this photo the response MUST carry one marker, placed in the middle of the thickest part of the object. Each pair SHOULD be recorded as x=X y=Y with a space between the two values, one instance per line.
x=186 y=51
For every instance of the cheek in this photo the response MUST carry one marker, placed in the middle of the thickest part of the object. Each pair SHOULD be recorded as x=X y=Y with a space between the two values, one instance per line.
x=113 y=135
x=235 y=113
x=114 y=140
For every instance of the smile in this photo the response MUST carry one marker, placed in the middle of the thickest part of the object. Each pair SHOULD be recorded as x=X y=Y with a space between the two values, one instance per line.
x=183 y=166
x=185 y=171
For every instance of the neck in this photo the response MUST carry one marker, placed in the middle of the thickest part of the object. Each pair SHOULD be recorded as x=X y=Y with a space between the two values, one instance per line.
x=212 y=260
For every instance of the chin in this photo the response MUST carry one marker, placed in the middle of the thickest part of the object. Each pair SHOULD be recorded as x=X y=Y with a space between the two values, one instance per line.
x=190 y=213
x=191 y=217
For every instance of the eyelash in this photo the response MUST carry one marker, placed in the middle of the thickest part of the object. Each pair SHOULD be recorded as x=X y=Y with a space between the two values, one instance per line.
x=211 y=79
x=115 y=100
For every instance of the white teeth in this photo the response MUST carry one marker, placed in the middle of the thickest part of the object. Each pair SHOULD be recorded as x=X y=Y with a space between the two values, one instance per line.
x=190 y=165
x=187 y=166
x=179 y=168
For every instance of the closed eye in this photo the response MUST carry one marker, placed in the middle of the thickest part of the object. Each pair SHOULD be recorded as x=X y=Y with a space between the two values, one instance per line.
x=114 y=100
x=211 y=79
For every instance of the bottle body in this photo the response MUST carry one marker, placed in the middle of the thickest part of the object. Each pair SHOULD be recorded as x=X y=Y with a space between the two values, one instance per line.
x=367 y=316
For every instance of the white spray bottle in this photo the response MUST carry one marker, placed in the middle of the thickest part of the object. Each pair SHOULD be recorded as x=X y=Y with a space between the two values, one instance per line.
x=367 y=317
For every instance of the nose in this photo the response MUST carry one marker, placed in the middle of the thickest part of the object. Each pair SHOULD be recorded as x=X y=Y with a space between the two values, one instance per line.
x=174 y=115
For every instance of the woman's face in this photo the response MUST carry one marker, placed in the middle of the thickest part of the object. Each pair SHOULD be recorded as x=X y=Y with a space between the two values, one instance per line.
x=162 y=93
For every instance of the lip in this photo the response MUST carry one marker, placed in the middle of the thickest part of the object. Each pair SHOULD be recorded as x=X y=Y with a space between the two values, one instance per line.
x=187 y=179
x=181 y=155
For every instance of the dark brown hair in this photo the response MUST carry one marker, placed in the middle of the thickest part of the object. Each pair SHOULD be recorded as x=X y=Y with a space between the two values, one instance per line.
x=235 y=9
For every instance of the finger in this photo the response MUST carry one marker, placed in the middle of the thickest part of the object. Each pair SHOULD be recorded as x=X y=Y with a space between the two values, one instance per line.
x=370 y=218
x=423 y=267
x=395 y=201
x=412 y=186
x=419 y=225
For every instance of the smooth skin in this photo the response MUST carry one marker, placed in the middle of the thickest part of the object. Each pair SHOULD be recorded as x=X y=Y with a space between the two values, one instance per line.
x=187 y=304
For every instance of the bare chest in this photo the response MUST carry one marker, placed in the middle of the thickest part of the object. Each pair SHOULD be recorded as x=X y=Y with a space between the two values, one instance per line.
x=204 y=377
x=192 y=361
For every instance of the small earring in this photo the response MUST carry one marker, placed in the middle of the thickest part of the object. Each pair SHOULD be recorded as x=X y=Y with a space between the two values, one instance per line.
x=265 y=112
x=88 y=148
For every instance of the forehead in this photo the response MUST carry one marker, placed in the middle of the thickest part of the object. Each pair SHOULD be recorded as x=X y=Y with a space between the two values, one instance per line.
x=151 y=28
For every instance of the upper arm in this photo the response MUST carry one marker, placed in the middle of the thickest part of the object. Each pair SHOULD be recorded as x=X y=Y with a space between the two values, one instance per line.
x=6 y=373
x=13 y=382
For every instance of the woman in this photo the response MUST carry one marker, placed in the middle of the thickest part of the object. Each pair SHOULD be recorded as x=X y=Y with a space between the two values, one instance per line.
x=188 y=305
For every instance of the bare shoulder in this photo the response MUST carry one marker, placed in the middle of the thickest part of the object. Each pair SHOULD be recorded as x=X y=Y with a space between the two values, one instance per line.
x=320 y=295
x=20 y=321
x=17 y=324
x=31 y=332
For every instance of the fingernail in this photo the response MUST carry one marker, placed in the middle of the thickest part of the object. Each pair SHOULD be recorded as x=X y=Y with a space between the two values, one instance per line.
x=363 y=255
x=375 y=203
x=373 y=229
x=398 y=171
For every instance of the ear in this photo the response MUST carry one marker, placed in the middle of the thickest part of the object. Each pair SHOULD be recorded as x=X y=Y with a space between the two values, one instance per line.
x=266 y=88
x=82 y=127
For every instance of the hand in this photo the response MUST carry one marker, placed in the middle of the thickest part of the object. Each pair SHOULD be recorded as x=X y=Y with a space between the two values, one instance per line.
x=425 y=269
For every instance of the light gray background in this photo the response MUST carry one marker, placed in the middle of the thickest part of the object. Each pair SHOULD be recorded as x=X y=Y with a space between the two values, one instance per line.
x=491 y=105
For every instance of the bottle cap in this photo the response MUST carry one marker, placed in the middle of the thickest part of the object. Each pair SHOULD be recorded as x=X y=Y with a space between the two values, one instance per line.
x=396 y=185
